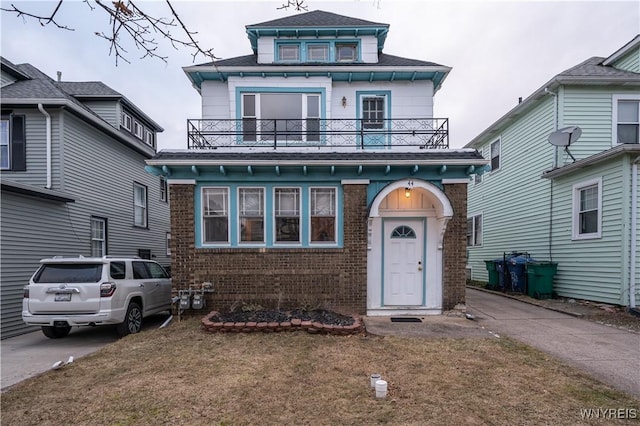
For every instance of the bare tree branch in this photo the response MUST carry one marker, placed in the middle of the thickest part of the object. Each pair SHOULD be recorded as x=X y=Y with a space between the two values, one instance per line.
x=43 y=20
x=298 y=5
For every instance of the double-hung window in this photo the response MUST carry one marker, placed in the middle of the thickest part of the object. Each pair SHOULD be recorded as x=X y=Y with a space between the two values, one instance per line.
x=163 y=189
x=215 y=215
x=98 y=237
x=287 y=215
x=587 y=209
x=251 y=214
x=4 y=144
x=323 y=215
x=138 y=129
x=474 y=231
x=628 y=121
x=149 y=138
x=495 y=155
x=126 y=121
x=139 y=205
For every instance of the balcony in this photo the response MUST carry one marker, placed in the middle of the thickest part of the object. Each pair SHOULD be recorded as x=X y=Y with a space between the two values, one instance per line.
x=419 y=133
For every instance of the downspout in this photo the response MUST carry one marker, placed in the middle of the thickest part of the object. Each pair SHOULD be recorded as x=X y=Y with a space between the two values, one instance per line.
x=634 y=229
x=48 y=125
x=555 y=164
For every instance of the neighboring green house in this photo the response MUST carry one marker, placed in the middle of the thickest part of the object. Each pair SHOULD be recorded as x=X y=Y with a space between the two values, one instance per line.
x=577 y=207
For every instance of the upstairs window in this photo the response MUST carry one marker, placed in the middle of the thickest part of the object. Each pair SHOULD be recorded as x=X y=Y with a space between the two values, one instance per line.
x=163 y=189
x=628 y=121
x=346 y=52
x=98 y=236
x=149 y=138
x=289 y=52
x=139 y=205
x=126 y=121
x=4 y=143
x=138 y=129
x=317 y=52
x=495 y=155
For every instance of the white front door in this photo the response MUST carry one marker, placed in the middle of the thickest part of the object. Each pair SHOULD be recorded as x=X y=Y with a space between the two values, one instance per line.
x=403 y=262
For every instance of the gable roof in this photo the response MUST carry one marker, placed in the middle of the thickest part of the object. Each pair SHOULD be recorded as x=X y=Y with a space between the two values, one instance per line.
x=88 y=89
x=633 y=44
x=10 y=68
x=589 y=72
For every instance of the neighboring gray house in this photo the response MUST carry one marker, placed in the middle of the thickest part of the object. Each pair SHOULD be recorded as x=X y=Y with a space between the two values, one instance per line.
x=581 y=213
x=73 y=180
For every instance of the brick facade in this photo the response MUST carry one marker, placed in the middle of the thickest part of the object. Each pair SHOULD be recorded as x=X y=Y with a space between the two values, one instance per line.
x=334 y=279
x=455 y=248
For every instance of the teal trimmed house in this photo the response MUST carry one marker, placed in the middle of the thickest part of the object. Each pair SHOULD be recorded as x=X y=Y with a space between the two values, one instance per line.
x=577 y=206
x=318 y=175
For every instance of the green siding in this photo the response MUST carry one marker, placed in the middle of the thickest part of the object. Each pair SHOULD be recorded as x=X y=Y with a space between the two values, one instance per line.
x=593 y=269
x=514 y=201
x=629 y=62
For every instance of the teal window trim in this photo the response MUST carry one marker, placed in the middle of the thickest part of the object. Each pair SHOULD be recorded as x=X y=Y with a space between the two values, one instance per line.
x=303 y=50
x=269 y=215
x=240 y=91
x=336 y=203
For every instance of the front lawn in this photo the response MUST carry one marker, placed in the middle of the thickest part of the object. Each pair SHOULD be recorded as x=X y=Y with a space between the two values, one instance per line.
x=183 y=376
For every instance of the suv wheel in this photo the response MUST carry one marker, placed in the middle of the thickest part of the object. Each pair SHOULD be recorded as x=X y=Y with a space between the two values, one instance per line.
x=56 y=332
x=132 y=321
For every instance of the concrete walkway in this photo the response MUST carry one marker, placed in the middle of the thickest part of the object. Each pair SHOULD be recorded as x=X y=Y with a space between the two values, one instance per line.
x=609 y=354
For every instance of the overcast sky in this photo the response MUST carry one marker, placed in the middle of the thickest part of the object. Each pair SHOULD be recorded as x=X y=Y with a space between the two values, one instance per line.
x=499 y=51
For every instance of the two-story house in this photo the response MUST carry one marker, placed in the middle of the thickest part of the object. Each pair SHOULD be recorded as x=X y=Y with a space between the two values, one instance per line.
x=73 y=180
x=318 y=174
x=563 y=184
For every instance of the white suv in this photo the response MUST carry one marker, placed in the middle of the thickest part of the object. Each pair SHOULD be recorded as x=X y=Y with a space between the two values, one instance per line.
x=67 y=292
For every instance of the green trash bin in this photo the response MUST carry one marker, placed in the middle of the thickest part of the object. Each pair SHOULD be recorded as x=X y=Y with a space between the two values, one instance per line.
x=494 y=278
x=540 y=279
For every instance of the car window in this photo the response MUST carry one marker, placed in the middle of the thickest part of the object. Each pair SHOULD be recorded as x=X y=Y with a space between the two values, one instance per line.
x=118 y=271
x=140 y=271
x=156 y=271
x=69 y=273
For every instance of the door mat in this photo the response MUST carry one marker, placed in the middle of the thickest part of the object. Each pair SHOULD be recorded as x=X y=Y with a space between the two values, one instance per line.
x=405 y=319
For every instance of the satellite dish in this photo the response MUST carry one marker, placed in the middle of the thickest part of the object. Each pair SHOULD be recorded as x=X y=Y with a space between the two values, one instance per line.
x=565 y=136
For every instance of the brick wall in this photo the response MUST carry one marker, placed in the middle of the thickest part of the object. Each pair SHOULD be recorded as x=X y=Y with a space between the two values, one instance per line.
x=454 y=247
x=335 y=279
x=272 y=277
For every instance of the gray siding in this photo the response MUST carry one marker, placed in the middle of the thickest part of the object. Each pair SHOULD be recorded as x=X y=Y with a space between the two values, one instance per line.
x=101 y=172
x=30 y=229
x=36 y=143
x=98 y=172
x=109 y=111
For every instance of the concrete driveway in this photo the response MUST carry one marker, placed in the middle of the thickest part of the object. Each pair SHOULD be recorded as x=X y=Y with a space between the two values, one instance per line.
x=32 y=354
x=609 y=354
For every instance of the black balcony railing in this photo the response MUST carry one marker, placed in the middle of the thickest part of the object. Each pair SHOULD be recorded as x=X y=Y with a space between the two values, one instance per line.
x=426 y=133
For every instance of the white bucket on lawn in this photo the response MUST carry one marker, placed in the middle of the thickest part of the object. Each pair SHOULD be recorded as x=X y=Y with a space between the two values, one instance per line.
x=374 y=379
x=381 y=389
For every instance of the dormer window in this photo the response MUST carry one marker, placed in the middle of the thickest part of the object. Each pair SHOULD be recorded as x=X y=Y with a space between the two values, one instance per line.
x=125 y=121
x=148 y=138
x=138 y=129
x=346 y=52
x=318 y=52
x=289 y=52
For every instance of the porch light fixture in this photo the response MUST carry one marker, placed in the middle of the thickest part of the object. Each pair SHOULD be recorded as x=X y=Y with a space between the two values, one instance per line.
x=407 y=189
x=344 y=102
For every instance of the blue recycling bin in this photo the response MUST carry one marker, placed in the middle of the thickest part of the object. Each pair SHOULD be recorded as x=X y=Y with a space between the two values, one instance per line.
x=517 y=269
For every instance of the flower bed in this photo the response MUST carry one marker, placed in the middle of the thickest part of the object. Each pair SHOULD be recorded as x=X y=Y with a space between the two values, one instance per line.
x=317 y=321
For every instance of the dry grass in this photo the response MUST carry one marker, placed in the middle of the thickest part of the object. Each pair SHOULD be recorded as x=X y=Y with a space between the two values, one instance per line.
x=180 y=375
